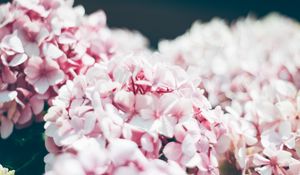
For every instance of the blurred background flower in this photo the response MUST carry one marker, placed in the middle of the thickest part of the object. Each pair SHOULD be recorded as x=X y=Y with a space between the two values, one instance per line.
x=166 y=19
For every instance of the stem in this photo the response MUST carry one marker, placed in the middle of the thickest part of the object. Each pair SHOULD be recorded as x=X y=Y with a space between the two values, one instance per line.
x=28 y=162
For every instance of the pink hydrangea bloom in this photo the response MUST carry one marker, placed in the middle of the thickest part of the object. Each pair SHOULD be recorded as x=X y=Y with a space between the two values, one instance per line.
x=43 y=73
x=151 y=104
x=252 y=71
x=91 y=156
x=43 y=43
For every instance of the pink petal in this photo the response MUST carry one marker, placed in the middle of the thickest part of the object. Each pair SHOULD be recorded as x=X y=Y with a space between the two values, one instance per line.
x=147 y=143
x=143 y=101
x=124 y=100
x=173 y=151
x=167 y=101
x=120 y=156
x=50 y=65
x=6 y=127
x=32 y=70
x=8 y=76
x=51 y=146
x=37 y=105
x=223 y=144
x=260 y=160
x=55 y=77
x=26 y=115
x=53 y=113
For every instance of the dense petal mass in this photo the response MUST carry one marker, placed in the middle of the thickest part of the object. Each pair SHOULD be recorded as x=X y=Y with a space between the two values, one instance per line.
x=246 y=70
x=127 y=103
x=217 y=95
x=43 y=43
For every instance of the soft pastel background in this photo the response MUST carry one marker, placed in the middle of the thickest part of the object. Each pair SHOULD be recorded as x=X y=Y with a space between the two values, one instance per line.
x=156 y=19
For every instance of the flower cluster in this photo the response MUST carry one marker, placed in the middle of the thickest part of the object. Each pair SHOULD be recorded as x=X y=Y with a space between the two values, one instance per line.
x=252 y=70
x=218 y=93
x=92 y=156
x=43 y=43
x=5 y=171
x=156 y=107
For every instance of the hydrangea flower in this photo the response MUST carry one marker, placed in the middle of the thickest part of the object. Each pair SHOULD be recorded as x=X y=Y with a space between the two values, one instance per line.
x=251 y=70
x=91 y=156
x=43 y=43
x=217 y=93
x=152 y=104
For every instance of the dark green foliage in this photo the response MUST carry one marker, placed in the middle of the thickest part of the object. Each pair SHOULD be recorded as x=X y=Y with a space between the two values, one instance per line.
x=24 y=151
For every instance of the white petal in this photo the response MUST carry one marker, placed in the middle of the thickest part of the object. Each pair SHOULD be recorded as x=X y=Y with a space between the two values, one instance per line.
x=88 y=60
x=223 y=144
x=89 y=123
x=6 y=96
x=188 y=146
x=17 y=60
x=285 y=88
x=285 y=128
x=194 y=161
x=32 y=49
x=286 y=108
x=265 y=170
x=51 y=51
x=166 y=127
x=141 y=123
x=259 y=160
x=13 y=42
x=120 y=156
x=55 y=77
x=41 y=86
